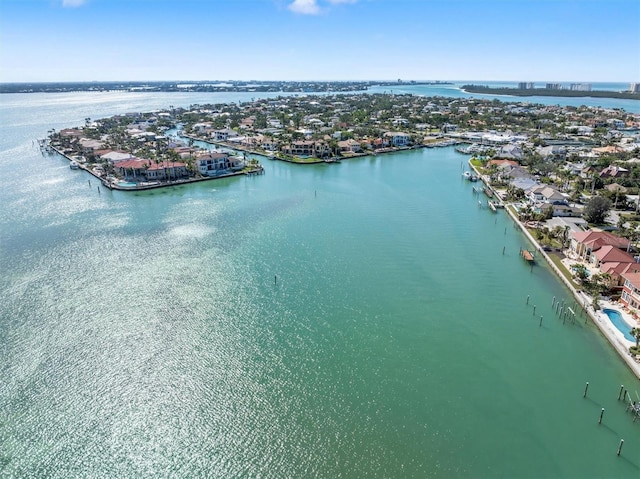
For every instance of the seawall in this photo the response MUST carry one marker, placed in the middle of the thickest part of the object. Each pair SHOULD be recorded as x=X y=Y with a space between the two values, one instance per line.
x=581 y=298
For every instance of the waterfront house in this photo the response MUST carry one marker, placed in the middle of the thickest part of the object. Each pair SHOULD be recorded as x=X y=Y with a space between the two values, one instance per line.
x=545 y=194
x=510 y=152
x=397 y=138
x=166 y=170
x=349 y=146
x=268 y=144
x=584 y=243
x=132 y=169
x=631 y=291
x=617 y=270
x=610 y=254
x=307 y=148
x=212 y=164
x=223 y=135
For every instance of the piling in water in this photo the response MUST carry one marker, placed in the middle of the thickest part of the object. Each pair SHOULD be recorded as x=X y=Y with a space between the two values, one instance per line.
x=620 y=393
x=585 y=390
x=601 y=414
x=620 y=446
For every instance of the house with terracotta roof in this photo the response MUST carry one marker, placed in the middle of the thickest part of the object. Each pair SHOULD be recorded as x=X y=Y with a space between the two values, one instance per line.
x=610 y=254
x=166 y=170
x=617 y=270
x=631 y=291
x=585 y=243
x=134 y=168
x=350 y=146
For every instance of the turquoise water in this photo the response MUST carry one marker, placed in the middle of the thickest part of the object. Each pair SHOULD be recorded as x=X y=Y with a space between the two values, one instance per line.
x=616 y=319
x=454 y=91
x=127 y=184
x=341 y=321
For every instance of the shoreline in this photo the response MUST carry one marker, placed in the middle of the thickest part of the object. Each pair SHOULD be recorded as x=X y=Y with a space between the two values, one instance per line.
x=533 y=92
x=393 y=149
x=582 y=299
x=153 y=186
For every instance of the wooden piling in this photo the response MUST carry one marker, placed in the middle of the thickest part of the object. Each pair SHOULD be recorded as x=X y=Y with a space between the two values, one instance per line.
x=585 y=390
x=540 y=321
x=620 y=393
x=620 y=446
x=601 y=414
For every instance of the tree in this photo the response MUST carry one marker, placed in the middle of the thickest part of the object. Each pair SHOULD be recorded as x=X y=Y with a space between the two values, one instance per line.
x=597 y=209
x=581 y=272
x=635 y=332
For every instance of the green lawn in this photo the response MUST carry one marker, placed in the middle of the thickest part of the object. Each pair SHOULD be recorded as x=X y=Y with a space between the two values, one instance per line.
x=563 y=269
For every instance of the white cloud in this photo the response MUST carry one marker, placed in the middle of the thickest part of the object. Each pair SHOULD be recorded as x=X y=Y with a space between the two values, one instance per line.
x=304 y=7
x=73 y=3
x=311 y=7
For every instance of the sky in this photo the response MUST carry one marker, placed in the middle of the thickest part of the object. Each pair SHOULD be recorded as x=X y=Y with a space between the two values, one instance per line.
x=447 y=40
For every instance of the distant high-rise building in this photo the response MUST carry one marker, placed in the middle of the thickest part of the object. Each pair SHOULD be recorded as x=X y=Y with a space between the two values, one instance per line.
x=526 y=86
x=553 y=86
x=580 y=87
x=634 y=88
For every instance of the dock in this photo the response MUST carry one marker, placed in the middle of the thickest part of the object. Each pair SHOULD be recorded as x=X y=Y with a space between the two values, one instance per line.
x=527 y=255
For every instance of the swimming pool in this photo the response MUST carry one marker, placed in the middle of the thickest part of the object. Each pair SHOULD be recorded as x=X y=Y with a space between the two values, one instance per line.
x=616 y=318
x=126 y=184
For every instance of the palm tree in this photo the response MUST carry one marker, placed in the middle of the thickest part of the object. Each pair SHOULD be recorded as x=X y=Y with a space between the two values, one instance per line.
x=635 y=332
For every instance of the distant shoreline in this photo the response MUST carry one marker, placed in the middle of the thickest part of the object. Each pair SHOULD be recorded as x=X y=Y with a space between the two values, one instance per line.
x=527 y=92
x=207 y=86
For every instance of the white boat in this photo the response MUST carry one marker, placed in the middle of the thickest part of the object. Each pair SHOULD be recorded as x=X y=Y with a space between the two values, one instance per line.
x=467 y=175
x=74 y=165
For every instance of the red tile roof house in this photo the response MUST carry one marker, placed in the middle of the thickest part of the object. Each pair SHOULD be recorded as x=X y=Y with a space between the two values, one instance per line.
x=133 y=169
x=584 y=243
x=614 y=262
x=167 y=170
x=631 y=292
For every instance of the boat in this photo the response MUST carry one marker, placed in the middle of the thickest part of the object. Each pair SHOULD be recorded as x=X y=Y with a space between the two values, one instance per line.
x=492 y=205
x=473 y=178
x=74 y=165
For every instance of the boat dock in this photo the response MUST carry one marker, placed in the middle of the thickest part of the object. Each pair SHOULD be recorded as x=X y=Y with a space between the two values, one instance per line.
x=528 y=256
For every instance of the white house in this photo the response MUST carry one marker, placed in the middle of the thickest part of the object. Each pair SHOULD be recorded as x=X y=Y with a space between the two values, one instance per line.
x=398 y=138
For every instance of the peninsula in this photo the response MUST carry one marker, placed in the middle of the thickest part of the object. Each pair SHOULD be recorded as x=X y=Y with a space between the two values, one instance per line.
x=207 y=86
x=558 y=92
x=565 y=174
